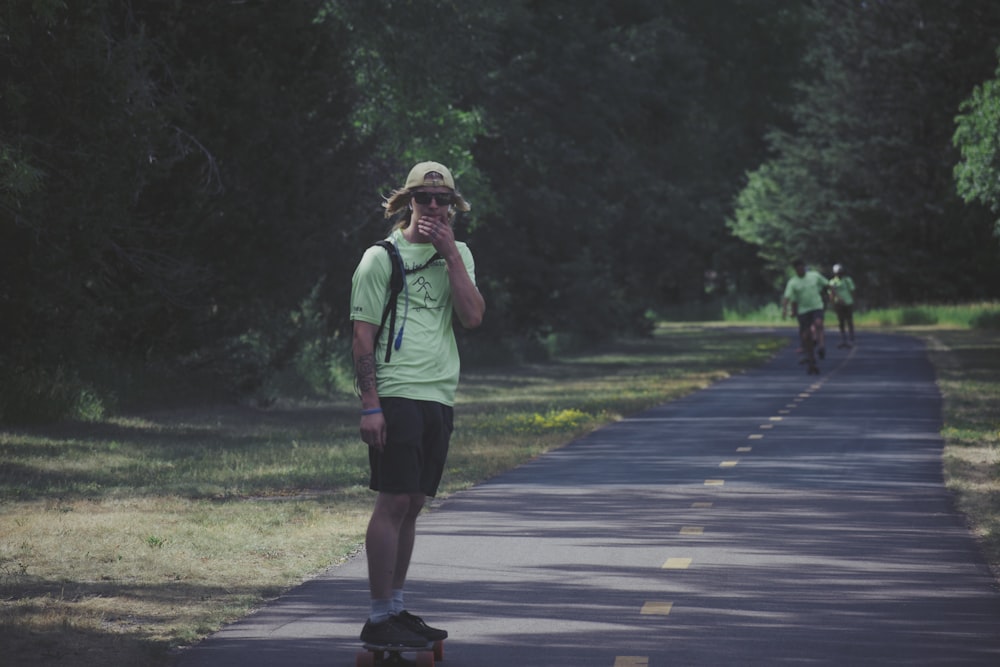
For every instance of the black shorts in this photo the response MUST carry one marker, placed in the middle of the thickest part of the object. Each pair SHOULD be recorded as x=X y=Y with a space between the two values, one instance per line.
x=416 y=447
x=806 y=319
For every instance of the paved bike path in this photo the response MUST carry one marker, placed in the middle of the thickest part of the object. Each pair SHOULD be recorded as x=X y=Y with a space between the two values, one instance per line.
x=774 y=518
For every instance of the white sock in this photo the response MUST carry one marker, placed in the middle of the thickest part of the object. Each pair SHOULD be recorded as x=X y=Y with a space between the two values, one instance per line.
x=381 y=610
x=397 y=600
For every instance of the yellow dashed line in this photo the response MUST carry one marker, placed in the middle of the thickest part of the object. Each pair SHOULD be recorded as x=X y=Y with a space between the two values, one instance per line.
x=654 y=608
x=657 y=608
x=631 y=661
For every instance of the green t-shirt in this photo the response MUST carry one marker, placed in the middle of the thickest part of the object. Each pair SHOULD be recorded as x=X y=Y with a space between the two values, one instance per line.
x=844 y=288
x=426 y=365
x=805 y=291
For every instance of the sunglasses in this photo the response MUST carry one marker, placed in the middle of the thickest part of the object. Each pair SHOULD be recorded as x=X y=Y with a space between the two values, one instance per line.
x=442 y=198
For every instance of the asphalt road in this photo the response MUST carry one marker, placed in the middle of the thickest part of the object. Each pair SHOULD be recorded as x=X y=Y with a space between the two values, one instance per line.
x=773 y=519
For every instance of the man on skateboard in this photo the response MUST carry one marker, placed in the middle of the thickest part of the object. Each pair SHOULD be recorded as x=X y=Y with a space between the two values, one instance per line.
x=407 y=377
x=804 y=293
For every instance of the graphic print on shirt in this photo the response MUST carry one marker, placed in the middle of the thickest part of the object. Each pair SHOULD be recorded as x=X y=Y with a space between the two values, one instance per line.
x=423 y=291
x=424 y=287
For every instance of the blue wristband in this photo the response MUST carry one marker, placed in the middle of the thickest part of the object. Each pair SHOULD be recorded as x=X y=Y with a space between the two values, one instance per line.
x=371 y=411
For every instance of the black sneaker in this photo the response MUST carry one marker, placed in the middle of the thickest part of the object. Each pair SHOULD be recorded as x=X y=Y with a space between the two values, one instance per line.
x=392 y=632
x=416 y=624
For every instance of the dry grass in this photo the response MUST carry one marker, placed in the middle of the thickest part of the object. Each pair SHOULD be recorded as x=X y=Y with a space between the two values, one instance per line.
x=968 y=369
x=151 y=572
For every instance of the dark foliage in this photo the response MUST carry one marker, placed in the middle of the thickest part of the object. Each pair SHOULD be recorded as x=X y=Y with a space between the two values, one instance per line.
x=185 y=188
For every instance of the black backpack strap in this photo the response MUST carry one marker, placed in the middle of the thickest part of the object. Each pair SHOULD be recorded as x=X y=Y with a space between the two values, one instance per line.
x=395 y=287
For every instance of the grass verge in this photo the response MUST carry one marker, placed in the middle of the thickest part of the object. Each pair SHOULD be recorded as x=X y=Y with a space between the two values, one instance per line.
x=123 y=538
x=968 y=370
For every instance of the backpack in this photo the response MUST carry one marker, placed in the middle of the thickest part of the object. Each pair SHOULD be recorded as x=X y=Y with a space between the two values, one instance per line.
x=397 y=284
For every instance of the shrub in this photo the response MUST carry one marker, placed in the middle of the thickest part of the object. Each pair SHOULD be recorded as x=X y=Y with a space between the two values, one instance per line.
x=917 y=317
x=39 y=395
x=987 y=320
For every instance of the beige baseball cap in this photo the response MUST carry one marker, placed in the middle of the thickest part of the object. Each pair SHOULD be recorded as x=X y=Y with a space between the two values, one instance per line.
x=429 y=174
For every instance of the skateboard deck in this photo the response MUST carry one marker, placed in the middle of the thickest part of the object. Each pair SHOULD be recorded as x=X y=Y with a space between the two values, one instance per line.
x=374 y=655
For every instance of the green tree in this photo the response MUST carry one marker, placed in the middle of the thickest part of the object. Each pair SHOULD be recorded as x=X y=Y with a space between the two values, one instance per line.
x=190 y=184
x=977 y=136
x=864 y=177
x=170 y=172
x=618 y=131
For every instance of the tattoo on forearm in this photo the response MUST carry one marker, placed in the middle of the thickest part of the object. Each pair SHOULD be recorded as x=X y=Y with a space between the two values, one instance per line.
x=364 y=368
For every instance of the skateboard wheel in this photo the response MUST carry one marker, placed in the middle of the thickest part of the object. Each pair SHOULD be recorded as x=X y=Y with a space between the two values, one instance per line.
x=425 y=659
x=439 y=650
x=364 y=659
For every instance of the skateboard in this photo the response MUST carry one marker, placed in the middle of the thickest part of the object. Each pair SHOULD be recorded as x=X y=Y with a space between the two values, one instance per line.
x=374 y=655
